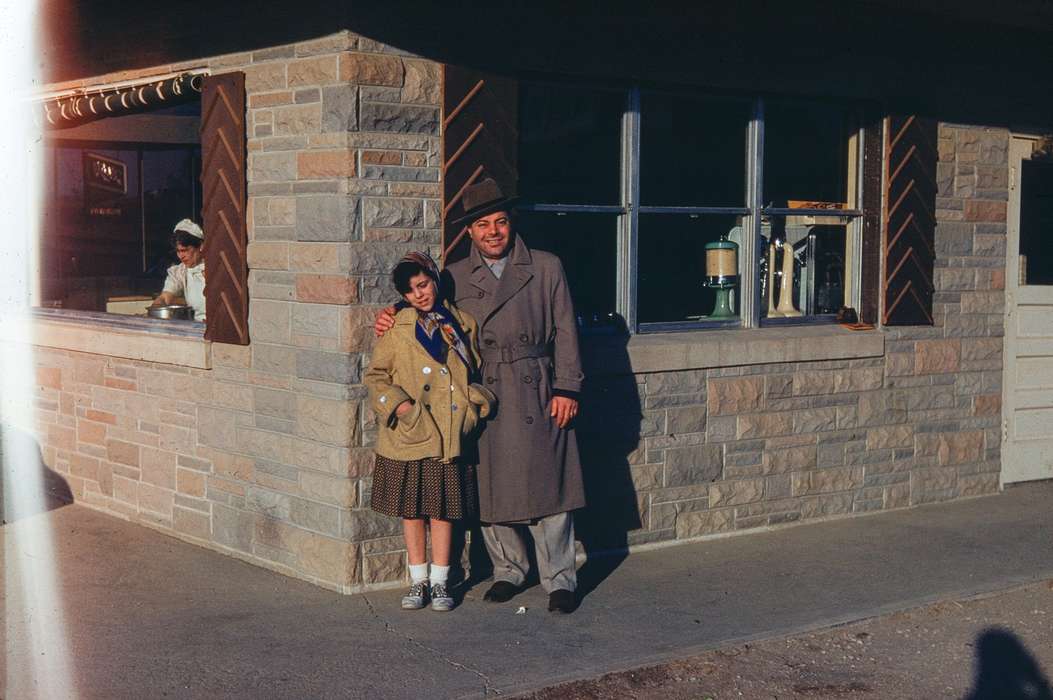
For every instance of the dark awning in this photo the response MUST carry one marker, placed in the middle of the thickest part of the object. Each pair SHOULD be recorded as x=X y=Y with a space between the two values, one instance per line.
x=90 y=105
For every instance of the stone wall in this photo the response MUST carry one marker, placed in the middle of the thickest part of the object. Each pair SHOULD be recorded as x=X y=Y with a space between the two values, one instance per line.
x=264 y=456
x=743 y=447
x=267 y=455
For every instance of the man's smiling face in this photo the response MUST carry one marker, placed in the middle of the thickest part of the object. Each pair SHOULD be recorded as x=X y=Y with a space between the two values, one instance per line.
x=491 y=234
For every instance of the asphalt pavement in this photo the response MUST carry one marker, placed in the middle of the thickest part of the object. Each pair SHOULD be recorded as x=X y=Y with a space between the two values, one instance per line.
x=132 y=613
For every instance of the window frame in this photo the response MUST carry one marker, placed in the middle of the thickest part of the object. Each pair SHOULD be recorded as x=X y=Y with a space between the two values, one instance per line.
x=753 y=211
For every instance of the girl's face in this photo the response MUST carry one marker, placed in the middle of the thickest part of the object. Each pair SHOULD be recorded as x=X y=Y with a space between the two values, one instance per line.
x=421 y=294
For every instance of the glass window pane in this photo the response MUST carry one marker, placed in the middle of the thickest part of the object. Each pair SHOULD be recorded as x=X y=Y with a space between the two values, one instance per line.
x=1036 y=222
x=92 y=241
x=809 y=282
x=693 y=150
x=807 y=152
x=587 y=246
x=168 y=196
x=570 y=144
x=673 y=282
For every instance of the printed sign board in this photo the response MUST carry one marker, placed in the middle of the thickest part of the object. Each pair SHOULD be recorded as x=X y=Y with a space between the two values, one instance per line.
x=105 y=173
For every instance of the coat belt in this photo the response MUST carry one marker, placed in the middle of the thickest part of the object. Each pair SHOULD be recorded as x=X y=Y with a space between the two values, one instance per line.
x=512 y=354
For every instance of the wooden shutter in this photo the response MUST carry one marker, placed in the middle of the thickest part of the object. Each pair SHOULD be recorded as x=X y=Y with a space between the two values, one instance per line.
x=873 y=170
x=910 y=219
x=224 y=204
x=480 y=140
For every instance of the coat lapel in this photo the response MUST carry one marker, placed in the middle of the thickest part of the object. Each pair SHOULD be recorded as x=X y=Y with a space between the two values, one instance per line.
x=518 y=272
x=486 y=285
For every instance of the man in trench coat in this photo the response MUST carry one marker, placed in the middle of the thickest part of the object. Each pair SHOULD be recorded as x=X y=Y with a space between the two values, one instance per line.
x=529 y=470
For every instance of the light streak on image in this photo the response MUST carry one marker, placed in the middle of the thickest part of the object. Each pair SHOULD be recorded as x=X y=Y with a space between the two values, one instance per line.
x=37 y=660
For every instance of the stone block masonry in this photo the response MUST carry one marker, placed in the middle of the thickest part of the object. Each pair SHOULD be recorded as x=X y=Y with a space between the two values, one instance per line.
x=267 y=455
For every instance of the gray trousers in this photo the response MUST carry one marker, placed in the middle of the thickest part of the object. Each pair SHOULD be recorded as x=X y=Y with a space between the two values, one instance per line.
x=553 y=544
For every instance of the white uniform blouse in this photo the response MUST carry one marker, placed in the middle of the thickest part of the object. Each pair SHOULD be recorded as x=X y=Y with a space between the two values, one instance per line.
x=188 y=283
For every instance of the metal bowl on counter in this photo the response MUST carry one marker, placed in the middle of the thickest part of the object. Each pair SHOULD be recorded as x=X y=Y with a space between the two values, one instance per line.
x=172 y=312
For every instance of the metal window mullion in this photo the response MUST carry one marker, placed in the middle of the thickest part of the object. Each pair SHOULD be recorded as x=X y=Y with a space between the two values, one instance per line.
x=749 y=288
x=628 y=268
x=142 y=209
x=854 y=296
x=693 y=210
x=574 y=208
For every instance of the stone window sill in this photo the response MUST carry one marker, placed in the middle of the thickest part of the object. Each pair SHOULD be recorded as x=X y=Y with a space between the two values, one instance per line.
x=666 y=352
x=132 y=338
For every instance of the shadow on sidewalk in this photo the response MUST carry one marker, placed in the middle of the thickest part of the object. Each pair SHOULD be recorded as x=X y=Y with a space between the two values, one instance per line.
x=23 y=467
x=1006 y=671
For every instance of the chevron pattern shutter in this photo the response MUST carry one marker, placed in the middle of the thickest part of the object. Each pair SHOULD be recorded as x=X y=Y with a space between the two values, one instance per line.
x=224 y=204
x=910 y=219
x=480 y=140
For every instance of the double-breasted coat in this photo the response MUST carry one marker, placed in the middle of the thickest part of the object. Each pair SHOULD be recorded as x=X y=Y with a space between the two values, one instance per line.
x=447 y=406
x=528 y=467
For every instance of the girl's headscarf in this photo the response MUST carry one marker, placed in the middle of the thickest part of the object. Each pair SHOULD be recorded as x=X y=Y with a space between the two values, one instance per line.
x=437 y=330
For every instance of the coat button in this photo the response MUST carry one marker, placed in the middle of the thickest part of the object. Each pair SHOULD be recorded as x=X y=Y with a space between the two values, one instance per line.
x=522 y=337
x=489 y=380
x=453 y=407
x=480 y=295
x=427 y=387
x=529 y=420
x=527 y=379
x=427 y=406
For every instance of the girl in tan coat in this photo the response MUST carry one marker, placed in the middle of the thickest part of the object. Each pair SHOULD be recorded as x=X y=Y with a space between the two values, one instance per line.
x=422 y=387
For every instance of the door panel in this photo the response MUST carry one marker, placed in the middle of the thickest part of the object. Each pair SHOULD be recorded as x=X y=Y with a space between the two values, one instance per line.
x=1027 y=389
x=1034 y=398
x=1034 y=373
x=1034 y=321
x=1033 y=424
x=1032 y=347
x=1032 y=295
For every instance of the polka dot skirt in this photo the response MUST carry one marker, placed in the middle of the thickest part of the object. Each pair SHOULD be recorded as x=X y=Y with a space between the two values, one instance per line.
x=423 y=488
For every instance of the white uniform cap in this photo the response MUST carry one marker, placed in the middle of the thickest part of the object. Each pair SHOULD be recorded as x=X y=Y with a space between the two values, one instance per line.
x=188 y=226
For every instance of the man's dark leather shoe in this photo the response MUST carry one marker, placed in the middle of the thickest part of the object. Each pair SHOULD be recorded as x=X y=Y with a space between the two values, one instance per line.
x=562 y=601
x=501 y=592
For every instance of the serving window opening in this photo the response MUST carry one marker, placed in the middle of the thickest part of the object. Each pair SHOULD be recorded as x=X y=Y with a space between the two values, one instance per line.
x=114 y=189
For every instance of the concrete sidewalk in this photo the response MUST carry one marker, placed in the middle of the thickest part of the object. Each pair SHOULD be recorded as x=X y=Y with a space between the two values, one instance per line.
x=149 y=616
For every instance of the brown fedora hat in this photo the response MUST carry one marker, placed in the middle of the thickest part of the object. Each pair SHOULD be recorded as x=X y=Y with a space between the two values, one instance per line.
x=480 y=199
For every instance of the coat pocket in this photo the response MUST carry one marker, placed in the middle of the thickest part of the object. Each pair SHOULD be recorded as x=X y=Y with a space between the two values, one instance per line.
x=542 y=369
x=415 y=427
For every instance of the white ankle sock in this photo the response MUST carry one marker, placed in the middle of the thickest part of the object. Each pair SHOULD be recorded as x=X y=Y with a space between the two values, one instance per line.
x=439 y=574
x=418 y=572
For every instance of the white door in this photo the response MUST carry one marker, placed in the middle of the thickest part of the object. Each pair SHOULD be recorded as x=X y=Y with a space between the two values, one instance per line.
x=1027 y=391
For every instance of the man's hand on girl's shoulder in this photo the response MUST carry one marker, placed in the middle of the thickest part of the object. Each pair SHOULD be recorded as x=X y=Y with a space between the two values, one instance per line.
x=385 y=321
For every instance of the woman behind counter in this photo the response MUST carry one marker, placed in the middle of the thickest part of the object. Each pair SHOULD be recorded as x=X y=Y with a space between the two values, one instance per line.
x=187 y=279
x=421 y=388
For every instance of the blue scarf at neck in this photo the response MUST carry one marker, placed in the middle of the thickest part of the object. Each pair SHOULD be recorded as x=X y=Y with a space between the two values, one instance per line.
x=437 y=332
